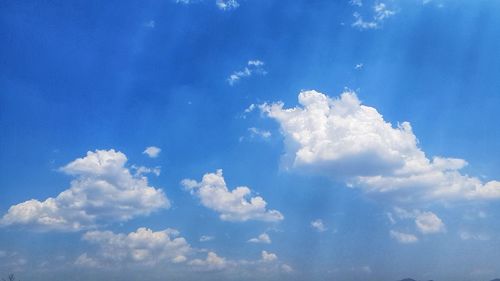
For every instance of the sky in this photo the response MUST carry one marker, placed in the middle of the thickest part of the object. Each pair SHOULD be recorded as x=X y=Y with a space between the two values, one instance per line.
x=250 y=140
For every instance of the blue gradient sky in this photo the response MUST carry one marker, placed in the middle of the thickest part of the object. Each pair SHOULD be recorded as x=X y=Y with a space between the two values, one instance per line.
x=77 y=76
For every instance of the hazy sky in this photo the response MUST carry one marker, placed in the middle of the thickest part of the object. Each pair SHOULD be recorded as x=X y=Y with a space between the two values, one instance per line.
x=250 y=140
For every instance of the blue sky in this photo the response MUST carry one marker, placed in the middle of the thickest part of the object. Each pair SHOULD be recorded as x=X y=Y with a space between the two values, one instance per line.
x=250 y=140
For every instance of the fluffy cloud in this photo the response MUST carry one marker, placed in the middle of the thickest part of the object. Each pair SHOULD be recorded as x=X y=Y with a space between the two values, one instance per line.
x=262 y=238
x=253 y=67
x=234 y=205
x=318 y=225
x=404 y=238
x=103 y=190
x=428 y=223
x=143 y=247
x=227 y=5
x=268 y=257
x=152 y=151
x=380 y=14
x=343 y=139
x=212 y=262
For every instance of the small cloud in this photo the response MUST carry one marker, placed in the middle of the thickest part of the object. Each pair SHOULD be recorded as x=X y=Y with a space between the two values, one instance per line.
x=263 y=238
x=268 y=257
x=206 y=238
x=380 y=14
x=211 y=263
x=318 y=225
x=465 y=235
x=152 y=151
x=426 y=222
x=404 y=238
x=255 y=132
x=429 y=223
x=85 y=261
x=141 y=170
x=358 y=3
x=149 y=24
x=227 y=5
x=253 y=67
x=250 y=108
x=286 y=268
x=232 y=205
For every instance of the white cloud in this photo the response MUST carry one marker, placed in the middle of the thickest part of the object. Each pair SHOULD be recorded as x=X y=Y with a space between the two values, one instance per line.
x=141 y=170
x=286 y=268
x=268 y=257
x=250 y=108
x=362 y=24
x=253 y=67
x=318 y=225
x=380 y=14
x=206 y=238
x=103 y=190
x=258 y=132
x=404 y=238
x=262 y=238
x=142 y=247
x=428 y=223
x=85 y=261
x=212 y=262
x=343 y=139
x=152 y=151
x=234 y=205
x=465 y=235
x=358 y=3
x=227 y=5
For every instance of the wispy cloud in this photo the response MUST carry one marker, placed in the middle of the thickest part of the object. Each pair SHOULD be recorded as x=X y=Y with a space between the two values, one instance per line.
x=150 y=24
x=358 y=3
x=227 y=5
x=253 y=67
x=206 y=238
x=380 y=13
x=404 y=238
